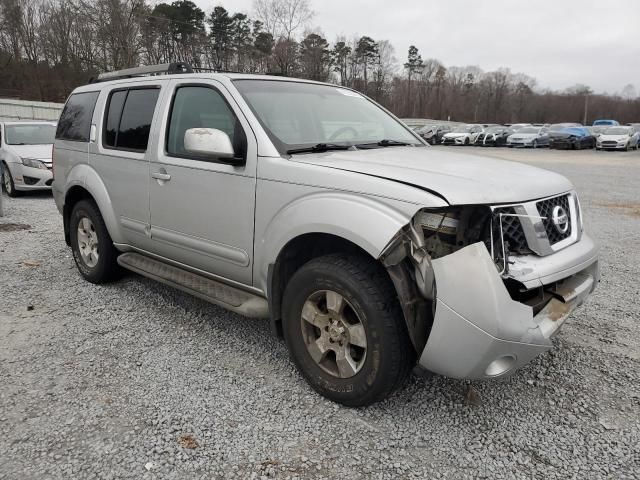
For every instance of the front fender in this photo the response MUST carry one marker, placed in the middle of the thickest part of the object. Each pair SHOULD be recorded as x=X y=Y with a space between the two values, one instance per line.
x=83 y=175
x=364 y=221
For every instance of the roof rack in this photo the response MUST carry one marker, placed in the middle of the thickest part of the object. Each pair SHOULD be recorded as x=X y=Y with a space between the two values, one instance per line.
x=161 y=69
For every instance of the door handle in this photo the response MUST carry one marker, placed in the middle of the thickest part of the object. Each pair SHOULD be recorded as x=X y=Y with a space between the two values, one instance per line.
x=161 y=176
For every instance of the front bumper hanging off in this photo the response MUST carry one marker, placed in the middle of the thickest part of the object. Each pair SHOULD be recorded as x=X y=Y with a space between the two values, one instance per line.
x=479 y=331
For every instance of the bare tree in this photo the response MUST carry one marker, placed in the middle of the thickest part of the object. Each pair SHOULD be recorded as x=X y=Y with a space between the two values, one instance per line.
x=283 y=18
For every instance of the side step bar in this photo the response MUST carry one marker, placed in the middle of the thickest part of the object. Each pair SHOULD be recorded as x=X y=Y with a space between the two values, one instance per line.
x=212 y=291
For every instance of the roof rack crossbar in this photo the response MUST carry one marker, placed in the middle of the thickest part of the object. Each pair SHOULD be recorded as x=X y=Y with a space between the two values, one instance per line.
x=161 y=69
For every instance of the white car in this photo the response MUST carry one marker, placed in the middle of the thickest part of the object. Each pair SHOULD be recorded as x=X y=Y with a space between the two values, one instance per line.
x=618 y=138
x=25 y=156
x=462 y=135
x=518 y=126
x=529 y=137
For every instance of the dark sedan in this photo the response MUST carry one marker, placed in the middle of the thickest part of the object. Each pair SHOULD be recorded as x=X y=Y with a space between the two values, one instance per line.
x=433 y=133
x=495 y=136
x=575 y=138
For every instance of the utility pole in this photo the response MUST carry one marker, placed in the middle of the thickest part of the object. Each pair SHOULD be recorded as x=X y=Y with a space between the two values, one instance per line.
x=586 y=107
x=2 y=178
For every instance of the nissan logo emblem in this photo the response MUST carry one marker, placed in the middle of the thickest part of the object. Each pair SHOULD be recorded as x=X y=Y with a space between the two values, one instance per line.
x=560 y=219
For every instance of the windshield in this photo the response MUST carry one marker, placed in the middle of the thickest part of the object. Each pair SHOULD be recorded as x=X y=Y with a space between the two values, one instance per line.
x=29 y=134
x=462 y=129
x=495 y=130
x=298 y=115
x=617 y=131
x=529 y=130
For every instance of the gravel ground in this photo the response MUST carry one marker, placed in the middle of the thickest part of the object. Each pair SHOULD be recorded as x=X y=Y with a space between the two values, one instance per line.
x=136 y=380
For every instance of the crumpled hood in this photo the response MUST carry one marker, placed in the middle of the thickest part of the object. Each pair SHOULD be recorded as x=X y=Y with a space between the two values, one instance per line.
x=40 y=152
x=461 y=179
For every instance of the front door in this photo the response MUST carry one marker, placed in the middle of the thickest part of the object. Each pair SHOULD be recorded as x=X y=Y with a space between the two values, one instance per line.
x=202 y=209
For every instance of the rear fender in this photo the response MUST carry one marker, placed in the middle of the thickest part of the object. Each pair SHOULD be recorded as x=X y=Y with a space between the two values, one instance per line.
x=82 y=175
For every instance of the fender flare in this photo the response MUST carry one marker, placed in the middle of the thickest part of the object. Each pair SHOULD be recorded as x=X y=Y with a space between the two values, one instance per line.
x=82 y=175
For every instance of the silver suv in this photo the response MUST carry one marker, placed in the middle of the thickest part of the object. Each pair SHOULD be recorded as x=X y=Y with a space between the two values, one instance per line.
x=311 y=205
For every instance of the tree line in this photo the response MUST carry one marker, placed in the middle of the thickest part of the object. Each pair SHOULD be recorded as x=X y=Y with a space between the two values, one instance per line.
x=48 y=47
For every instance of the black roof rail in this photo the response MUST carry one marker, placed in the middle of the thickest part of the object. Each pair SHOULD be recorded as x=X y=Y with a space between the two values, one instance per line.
x=161 y=69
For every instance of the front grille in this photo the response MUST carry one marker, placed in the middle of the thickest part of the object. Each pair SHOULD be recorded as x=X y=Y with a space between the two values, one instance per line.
x=545 y=209
x=609 y=144
x=512 y=231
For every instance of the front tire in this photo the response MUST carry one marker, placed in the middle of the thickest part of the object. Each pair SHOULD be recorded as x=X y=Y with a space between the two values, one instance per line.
x=92 y=247
x=345 y=330
x=7 y=182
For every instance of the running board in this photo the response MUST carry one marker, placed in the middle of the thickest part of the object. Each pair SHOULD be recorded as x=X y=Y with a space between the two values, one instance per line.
x=212 y=291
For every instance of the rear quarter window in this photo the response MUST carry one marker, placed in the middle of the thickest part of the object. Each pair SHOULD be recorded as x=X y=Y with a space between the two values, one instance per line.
x=75 y=120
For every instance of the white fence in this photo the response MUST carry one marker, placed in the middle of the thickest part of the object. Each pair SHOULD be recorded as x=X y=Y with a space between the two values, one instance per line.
x=13 y=110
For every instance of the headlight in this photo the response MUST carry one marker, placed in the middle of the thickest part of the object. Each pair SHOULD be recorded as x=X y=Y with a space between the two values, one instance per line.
x=33 y=163
x=579 y=212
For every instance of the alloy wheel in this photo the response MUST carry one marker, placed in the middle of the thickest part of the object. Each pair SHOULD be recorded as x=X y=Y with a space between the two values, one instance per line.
x=88 y=242
x=333 y=334
x=7 y=181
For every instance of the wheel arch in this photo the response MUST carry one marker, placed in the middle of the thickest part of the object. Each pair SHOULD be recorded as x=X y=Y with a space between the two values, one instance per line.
x=297 y=252
x=83 y=183
x=320 y=224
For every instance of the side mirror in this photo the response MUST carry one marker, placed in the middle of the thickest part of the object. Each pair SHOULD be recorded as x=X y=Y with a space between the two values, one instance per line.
x=208 y=142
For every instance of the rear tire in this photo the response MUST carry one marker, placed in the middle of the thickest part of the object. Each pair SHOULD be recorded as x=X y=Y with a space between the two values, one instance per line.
x=92 y=247
x=368 y=330
x=7 y=182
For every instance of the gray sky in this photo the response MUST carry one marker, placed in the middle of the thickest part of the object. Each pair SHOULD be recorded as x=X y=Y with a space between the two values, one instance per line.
x=559 y=42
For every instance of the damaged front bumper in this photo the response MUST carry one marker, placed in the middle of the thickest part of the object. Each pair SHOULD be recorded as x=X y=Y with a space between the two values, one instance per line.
x=479 y=331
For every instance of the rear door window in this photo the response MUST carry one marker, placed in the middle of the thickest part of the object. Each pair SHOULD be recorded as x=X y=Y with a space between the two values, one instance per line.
x=128 y=119
x=75 y=120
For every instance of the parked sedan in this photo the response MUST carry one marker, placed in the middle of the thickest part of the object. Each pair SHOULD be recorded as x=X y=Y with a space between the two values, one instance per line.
x=25 y=154
x=433 y=133
x=495 y=136
x=572 y=138
x=618 y=138
x=462 y=135
x=529 y=137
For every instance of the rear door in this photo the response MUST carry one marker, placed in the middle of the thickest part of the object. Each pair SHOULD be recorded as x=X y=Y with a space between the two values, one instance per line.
x=202 y=210
x=122 y=151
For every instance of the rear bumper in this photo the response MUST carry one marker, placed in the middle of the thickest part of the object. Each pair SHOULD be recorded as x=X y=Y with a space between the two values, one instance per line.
x=480 y=332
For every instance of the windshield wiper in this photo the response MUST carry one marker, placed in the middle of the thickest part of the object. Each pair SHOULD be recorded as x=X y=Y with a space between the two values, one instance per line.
x=383 y=143
x=319 y=147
